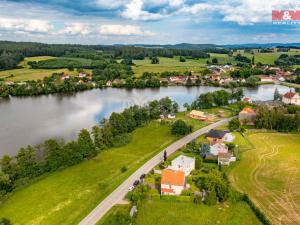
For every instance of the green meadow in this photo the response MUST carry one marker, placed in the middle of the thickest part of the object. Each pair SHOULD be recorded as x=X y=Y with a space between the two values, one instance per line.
x=270 y=175
x=67 y=196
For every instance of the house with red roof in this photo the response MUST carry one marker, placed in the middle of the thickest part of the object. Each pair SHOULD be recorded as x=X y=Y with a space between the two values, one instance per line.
x=247 y=116
x=172 y=182
x=291 y=98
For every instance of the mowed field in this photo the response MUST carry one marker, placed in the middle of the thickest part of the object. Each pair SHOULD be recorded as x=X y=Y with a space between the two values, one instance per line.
x=187 y=213
x=26 y=73
x=67 y=196
x=270 y=175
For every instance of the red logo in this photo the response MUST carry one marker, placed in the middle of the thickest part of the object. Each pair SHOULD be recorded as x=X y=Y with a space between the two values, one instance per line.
x=285 y=15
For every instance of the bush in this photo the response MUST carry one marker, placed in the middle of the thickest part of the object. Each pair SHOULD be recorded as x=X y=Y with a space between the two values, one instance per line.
x=4 y=221
x=121 y=140
x=124 y=169
x=181 y=128
x=211 y=198
x=234 y=125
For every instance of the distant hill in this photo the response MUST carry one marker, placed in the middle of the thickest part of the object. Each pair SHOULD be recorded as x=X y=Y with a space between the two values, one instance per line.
x=214 y=46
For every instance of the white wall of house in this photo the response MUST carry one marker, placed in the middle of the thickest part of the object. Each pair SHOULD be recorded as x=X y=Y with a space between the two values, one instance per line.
x=294 y=100
x=183 y=163
x=229 y=137
x=176 y=189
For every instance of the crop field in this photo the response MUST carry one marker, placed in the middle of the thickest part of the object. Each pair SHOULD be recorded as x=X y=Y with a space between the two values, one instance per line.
x=184 y=213
x=66 y=196
x=26 y=73
x=270 y=175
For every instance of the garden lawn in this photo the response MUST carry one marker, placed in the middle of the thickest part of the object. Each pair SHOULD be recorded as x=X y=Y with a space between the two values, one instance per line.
x=67 y=196
x=187 y=213
x=270 y=175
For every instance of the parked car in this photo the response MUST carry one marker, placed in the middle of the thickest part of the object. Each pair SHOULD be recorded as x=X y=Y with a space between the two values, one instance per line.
x=131 y=188
x=136 y=183
x=142 y=176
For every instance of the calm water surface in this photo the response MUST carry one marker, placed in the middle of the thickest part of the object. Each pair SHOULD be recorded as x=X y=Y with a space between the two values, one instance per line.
x=30 y=120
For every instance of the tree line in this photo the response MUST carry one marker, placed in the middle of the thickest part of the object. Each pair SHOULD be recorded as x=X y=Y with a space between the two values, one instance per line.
x=217 y=98
x=51 y=155
x=283 y=119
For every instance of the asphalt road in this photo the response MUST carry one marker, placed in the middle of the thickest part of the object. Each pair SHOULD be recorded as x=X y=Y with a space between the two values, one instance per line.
x=119 y=193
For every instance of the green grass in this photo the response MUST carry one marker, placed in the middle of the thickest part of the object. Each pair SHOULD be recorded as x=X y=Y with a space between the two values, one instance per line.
x=167 y=64
x=65 y=197
x=197 y=124
x=266 y=58
x=26 y=73
x=186 y=213
x=270 y=175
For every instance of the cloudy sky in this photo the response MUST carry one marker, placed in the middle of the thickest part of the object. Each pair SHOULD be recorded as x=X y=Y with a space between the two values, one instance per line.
x=146 y=21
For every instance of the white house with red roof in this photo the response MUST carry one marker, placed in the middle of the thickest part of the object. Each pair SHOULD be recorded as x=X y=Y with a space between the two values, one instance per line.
x=291 y=98
x=172 y=182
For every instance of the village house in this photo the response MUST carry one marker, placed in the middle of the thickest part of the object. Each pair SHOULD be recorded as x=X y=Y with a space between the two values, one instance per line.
x=215 y=77
x=171 y=116
x=82 y=75
x=65 y=76
x=183 y=163
x=218 y=148
x=264 y=78
x=247 y=99
x=247 y=116
x=172 y=182
x=219 y=136
x=9 y=82
x=178 y=79
x=291 y=98
x=225 y=159
x=118 y=82
x=199 y=115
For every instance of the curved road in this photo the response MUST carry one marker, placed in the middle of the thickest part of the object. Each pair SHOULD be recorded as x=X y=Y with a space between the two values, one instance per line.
x=119 y=193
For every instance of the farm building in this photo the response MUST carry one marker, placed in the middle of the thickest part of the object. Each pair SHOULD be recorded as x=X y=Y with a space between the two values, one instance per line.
x=172 y=182
x=183 y=163
x=199 y=115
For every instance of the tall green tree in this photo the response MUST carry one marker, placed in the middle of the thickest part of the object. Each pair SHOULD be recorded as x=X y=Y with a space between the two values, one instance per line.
x=86 y=144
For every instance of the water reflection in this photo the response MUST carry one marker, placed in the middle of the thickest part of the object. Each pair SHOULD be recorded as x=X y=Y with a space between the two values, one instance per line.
x=30 y=120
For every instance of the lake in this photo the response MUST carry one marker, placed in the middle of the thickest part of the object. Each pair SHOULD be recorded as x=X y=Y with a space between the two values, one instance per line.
x=30 y=120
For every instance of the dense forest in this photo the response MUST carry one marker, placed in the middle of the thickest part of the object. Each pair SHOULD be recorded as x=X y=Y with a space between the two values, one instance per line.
x=51 y=155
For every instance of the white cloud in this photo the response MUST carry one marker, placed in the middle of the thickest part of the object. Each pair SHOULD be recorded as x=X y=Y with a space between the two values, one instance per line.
x=110 y=4
x=243 y=12
x=176 y=3
x=25 y=25
x=123 y=30
x=134 y=10
x=76 y=29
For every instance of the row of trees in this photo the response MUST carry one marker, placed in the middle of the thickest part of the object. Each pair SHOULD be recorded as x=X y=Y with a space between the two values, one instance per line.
x=51 y=155
x=278 y=119
x=48 y=85
x=217 y=98
x=287 y=60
